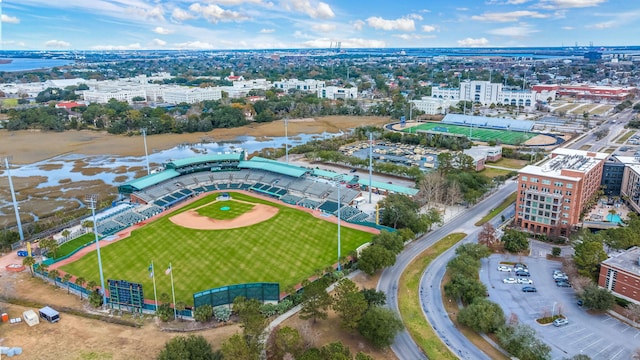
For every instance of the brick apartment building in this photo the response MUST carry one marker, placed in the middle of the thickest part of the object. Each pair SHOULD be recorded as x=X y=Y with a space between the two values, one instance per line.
x=551 y=196
x=620 y=274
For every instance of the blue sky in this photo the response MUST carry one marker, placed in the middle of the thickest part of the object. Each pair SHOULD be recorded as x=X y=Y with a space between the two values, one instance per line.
x=259 y=24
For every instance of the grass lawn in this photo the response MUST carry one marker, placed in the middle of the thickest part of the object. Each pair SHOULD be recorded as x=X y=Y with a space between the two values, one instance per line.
x=70 y=246
x=409 y=301
x=625 y=137
x=482 y=134
x=285 y=249
x=224 y=210
x=585 y=147
x=506 y=203
x=515 y=164
x=492 y=172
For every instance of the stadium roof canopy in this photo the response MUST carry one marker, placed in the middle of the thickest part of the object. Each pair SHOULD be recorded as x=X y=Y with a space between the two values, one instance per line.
x=175 y=164
x=488 y=122
x=274 y=166
x=389 y=187
x=147 y=181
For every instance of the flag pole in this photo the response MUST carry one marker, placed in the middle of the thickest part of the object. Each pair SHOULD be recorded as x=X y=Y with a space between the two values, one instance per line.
x=173 y=293
x=153 y=276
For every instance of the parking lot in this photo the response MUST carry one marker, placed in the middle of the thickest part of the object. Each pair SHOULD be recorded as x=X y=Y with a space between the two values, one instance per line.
x=598 y=336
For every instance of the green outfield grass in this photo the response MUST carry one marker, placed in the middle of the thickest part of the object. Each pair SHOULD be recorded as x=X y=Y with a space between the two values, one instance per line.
x=285 y=249
x=481 y=134
x=234 y=209
x=70 y=246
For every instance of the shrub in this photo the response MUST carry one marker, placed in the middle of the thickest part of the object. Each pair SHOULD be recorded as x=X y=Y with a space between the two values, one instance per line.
x=203 y=313
x=222 y=313
x=556 y=251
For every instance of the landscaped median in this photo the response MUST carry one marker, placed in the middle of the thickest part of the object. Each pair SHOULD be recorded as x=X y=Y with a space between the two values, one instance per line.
x=409 y=302
x=493 y=213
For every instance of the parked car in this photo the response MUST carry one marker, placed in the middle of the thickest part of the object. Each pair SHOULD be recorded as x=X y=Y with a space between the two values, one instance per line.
x=560 y=322
x=529 y=289
x=504 y=268
x=579 y=302
x=521 y=267
x=510 y=281
x=23 y=253
x=525 y=281
x=562 y=284
x=522 y=273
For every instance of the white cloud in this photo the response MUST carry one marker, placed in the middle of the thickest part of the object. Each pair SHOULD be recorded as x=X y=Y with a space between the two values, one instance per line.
x=414 y=17
x=9 y=19
x=316 y=10
x=507 y=2
x=470 y=42
x=240 y=2
x=429 y=28
x=267 y=31
x=565 y=4
x=158 y=42
x=462 y=9
x=162 y=31
x=414 y=36
x=195 y=45
x=57 y=44
x=15 y=43
x=324 y=27
x=508 y=16
x=604 y=25
x=181 y=15
x=514 y=31
x=358 y=25
x=403 y=24
x=214 y=13
x=154 y=13
x=568 y=28
x=346 y=43
x=135 y=46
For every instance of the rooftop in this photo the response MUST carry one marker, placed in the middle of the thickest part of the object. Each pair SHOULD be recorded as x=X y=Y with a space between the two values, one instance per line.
x=566 y=159
x=627 y=261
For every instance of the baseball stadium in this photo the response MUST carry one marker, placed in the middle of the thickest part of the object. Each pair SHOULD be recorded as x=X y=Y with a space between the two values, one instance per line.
x=218 y=226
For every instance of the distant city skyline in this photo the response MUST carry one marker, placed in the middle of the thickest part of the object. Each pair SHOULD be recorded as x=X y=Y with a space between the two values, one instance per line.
x=273 y=24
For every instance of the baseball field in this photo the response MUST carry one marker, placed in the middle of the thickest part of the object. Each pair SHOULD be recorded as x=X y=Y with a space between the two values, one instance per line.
x=212 y=243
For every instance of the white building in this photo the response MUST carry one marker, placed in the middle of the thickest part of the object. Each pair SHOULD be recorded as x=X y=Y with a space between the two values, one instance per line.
x=452 y=94
x=257 y=84
x=485 y=93
x=190 y=95
x=307 y=85
x=432 y=106
x=103 y=96
x=335 y=93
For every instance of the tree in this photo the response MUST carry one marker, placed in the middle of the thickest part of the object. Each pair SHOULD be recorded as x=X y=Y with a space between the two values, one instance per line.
x=464 y=265
x=482 y=316
x=389 y=240
x=283 y=341
x=401 y=211
x=237 y=348
x=29 y=261
x=475 y=251
x=556 y=251
x=515 y=241
x=633 y=312
x=66 y=279
x=597 y=298
x=80 y=281
x=380 y=325
x=487 y=236
x=251 y=321
x=349 y=303
x=464 y=288
x=374 y=258
x=335 y=351
x=54 y=274
x=315 y=301
x=522 y=342
x=588 y=254
x=193 y=347
x=50 y=245
x=374 y=297
x=65 y=234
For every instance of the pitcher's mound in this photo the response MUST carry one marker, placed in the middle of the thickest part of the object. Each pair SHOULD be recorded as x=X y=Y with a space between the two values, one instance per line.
x=192 y=220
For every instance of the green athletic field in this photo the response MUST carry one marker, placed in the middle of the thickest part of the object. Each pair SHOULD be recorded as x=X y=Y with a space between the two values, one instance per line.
x=480 y=134
x=287 y=249
x=217 y=210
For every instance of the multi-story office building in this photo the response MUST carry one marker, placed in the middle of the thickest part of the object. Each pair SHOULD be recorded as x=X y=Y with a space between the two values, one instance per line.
x=620 y=274
x=182 y=94
x=335 y=93
x=552 y=196
x=485 y=93
x=307 y=85
x=432 y=106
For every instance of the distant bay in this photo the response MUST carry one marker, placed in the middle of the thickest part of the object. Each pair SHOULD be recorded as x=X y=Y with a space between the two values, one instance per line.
x=24 y=64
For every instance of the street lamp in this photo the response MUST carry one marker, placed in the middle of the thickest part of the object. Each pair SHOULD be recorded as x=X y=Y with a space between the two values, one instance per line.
x=13 y=198
x=146 y=153
x=92 y=199
x=338 y=179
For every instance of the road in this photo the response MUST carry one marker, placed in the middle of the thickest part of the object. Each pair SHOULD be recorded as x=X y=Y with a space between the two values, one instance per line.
x=404 y=347
x=615 y=129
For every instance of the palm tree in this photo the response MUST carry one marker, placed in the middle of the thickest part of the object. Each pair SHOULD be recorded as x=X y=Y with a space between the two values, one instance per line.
x=54 y=274
x=65 y=279
x=44 y=268
x=29 y=261
x=91 y=285
x=65 y=233
x=80 y=281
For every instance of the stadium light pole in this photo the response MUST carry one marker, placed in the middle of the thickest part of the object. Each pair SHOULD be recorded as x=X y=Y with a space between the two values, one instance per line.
x=286 y=140
x=92 y=200
x=13 y=198
x=370 y=163
x=338 y=178
x=146 y=153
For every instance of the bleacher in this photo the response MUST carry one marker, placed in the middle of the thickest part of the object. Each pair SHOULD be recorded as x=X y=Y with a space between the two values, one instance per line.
x=128 y=218
x=255 y=175
x=347 y=195
x=359 y=217
x=347 y=212
x=113 y=211
x=150 y=211
x=268 y=189
x=299 y=185
x=329 y=207
x=308 y=203
x=174 y=197
x=109 y=227
x=290 y=199
x=318 y=189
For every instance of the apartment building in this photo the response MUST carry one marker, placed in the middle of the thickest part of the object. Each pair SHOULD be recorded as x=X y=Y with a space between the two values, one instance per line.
x=620 y=274
x=551 y=196
x=335 y=93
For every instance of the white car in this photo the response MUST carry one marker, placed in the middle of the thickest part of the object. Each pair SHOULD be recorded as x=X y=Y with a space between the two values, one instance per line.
x=510 y=281
x=525 y=281
x=504 y=268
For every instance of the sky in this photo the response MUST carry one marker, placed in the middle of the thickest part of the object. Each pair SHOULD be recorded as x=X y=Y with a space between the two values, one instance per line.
x=274 y=24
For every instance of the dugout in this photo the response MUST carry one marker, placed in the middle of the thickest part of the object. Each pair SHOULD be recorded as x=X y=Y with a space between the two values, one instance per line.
x=49 y=314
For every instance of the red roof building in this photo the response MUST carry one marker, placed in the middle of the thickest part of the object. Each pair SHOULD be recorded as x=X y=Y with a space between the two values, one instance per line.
x=68 y=105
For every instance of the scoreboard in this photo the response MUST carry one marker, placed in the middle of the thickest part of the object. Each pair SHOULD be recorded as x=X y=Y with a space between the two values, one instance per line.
x=124 y=293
